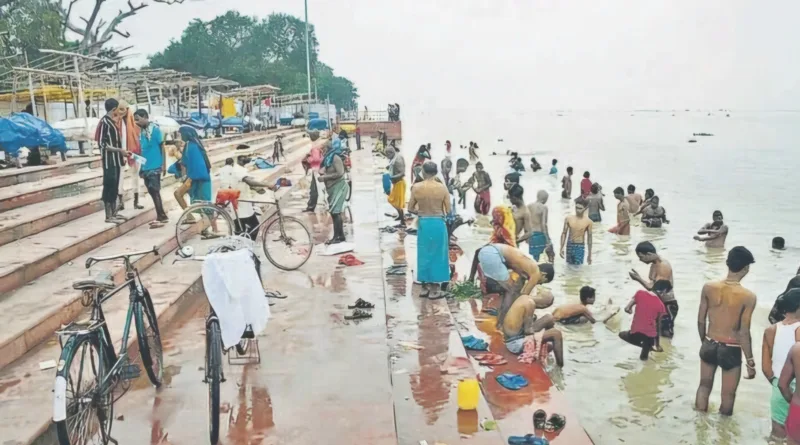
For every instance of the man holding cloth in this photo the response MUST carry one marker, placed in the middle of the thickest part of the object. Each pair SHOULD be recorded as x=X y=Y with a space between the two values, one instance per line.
x=151 y=141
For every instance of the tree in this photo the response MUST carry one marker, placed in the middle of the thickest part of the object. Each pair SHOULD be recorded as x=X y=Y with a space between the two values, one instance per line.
x=29 y=25
x=252 y=51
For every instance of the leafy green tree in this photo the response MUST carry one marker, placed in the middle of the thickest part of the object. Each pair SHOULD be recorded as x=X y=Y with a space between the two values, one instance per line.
x=252 y=51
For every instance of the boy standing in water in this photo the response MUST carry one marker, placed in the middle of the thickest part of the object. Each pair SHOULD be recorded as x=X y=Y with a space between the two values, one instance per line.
x=553 y=169
x=540 y=238
x=634 y=199
x=579 y=228
x=646 y=324
x=728 y=307
x=566 y=184
x=483 y=182
x=623 y=212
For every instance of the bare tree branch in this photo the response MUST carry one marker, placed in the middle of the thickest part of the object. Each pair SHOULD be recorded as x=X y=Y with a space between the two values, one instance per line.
x=112 y=26
x=168 y=2
x=90 y=23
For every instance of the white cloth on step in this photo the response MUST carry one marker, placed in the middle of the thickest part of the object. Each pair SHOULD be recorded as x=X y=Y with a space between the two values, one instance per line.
x=235 y=292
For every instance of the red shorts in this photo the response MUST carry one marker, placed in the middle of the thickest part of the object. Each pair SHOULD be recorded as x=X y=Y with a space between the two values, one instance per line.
x=793 y=422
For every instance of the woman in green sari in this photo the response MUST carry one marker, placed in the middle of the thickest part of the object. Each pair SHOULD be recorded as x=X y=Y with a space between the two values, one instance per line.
x=332 y=174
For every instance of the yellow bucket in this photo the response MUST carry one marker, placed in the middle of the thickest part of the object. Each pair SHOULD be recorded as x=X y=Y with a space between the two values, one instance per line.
x=469 y=393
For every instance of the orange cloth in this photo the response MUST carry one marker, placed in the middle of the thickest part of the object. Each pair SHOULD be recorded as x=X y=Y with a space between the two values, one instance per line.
x=225 y=196
x=504 y=227
x=133 y=132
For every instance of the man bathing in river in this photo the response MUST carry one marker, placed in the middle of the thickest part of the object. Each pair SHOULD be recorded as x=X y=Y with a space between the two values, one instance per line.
x=728 y=307
x=778 y=339
x=716 y=232
x=660 y=269
x=539 y=240
x=653 y=215
x=566 y=184
x=483 y=182
x=495 y=260
x=577 y=228
x=634 y=199
x=594 y=203
x=789 y=373
x=623 y=213
x=575 y=313
x=522 y=321
x=646 y=324
x=522 y=216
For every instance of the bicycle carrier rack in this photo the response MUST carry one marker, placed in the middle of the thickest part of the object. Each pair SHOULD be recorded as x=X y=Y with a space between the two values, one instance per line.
x=251 y=355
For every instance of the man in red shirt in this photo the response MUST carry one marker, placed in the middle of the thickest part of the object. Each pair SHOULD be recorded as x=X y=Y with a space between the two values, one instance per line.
x=586 y=185
x=646 y=325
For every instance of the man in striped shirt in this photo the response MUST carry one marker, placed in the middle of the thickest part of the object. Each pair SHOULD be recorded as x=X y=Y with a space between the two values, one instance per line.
x=111 y=153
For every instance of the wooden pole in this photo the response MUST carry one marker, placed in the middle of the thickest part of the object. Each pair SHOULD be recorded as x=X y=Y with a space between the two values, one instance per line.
x=30 y=88
x=44 y=95
x=81 y=110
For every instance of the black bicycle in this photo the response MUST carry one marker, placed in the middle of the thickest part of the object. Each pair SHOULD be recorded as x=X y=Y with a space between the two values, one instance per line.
x=91 y=376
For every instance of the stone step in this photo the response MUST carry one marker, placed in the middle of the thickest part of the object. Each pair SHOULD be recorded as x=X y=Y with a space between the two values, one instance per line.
x=26 y=259
x=29 y=220
x=174 y=289
x=13 y=176
x=48 y=188
x=37 y=309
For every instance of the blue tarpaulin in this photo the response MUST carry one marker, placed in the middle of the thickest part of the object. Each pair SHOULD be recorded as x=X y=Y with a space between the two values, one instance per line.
x=25 y=130
x=318 y=124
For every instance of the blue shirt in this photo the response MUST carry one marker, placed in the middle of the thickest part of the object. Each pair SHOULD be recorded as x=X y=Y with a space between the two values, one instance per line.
x=151 y=148
x=195 y=163
x=336 y=143
x=553 y=170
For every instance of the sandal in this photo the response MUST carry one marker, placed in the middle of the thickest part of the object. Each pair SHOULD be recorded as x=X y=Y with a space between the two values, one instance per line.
x=539 y=419
x=362 y=304
x=493 y=361
x=555 y=423
x=358 y=314
x=275 y=294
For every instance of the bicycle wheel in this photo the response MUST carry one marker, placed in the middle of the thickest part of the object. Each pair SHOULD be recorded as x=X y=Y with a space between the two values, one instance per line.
x=200 y=224
x=347 y=215
x=82 y=411
x=149 y=339
x=287 y=242
x=213 y=377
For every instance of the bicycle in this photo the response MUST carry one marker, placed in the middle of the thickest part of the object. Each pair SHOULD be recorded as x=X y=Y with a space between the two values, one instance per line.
x=276 y=230
x=92 y=399
x=214 y=373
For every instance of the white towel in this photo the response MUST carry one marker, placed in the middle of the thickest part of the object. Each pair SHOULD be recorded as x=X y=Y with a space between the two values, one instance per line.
x=235 y=292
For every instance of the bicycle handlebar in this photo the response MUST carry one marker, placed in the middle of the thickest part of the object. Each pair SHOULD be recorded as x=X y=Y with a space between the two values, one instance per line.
x=94 y=260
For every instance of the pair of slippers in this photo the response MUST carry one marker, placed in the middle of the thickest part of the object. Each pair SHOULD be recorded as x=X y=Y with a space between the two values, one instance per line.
x=274 y=294
x=359 y=312
x=490 y=359
x=554 y=424
x=396 y=269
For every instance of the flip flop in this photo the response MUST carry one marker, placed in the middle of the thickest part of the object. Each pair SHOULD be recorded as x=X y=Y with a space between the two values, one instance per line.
x=362 y=304
x=275 y=294
x=493 y=361
x=528 y=439
x=390 y=215
x=539 y=419
x=358 y=314
x=555 y=423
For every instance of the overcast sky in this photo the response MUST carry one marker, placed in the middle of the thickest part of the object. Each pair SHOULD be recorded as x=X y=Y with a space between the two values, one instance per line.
x=534 y=54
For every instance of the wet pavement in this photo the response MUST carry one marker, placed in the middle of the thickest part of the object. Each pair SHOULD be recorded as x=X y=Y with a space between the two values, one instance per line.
x=322 y=379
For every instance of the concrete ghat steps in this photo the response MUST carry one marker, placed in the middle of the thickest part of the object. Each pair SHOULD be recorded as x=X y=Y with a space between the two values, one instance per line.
x=173 y=289
x=29 y=220
x=48 y=188
x=28 y=258
x=15 y=176
x=37 y=309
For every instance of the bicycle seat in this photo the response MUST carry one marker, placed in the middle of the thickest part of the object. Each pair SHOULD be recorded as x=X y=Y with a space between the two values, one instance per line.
x=102 y=280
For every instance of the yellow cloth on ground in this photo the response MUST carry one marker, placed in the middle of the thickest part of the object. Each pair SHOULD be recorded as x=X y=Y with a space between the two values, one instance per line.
x=397 y=198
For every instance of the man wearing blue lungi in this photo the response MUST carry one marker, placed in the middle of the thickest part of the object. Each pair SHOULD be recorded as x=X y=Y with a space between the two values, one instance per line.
x=431 y=201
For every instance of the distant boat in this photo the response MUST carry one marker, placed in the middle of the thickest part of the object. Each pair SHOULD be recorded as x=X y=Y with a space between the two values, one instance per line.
x=692 y=141
x=702 y=134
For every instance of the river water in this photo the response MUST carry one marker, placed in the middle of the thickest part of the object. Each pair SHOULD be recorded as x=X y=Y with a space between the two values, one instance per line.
x=744 y=170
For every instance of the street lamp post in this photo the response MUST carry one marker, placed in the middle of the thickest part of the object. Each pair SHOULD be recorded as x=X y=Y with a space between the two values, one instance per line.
x=308 y=58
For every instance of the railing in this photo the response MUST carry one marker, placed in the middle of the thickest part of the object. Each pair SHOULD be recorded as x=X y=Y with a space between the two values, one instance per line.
x=361 y=115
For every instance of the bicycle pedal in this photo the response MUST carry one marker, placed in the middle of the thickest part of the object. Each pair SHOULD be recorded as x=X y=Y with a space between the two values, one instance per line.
x=130 y=372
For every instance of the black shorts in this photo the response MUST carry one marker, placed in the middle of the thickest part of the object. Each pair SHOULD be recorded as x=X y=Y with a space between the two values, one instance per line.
x=652 y=222
x=719 y=354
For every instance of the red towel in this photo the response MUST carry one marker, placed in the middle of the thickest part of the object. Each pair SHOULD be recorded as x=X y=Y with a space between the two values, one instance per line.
x=350 y=260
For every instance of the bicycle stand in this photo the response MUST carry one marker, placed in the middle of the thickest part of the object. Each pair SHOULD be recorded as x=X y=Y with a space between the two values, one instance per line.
x=247 y=351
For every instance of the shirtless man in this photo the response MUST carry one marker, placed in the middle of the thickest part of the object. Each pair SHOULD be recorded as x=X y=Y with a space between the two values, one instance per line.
x=653 y=215
x=728 y=307
x=496 y=260
x=594 y=203
x=634 y=199
x=482 y=184
x=660 y=269
x=623 y=212
x=716 y=232
x=790 y=371
x=578 y=227
x=522 y=321
x=522 y=216
x=575 y=313
x=540 y=236
x=566 y=184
